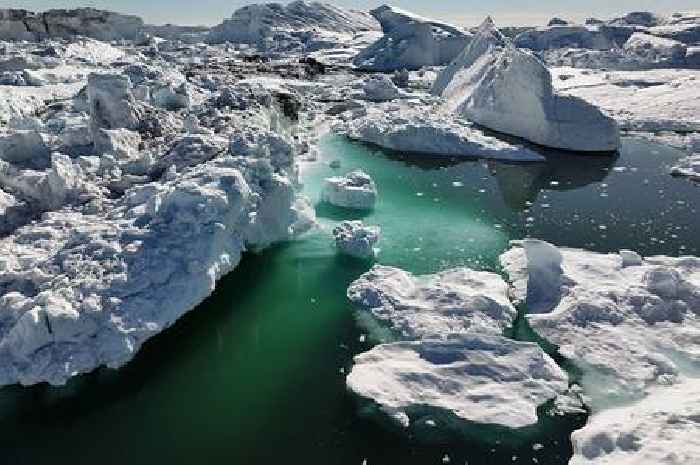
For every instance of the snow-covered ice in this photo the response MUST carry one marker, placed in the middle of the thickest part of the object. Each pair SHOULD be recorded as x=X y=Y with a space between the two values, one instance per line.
x=450 y=355
x=509 y=90
x=438 y=306
x=355 y=190
x=661 y=429
x=630 y=324
x=650 y=101
x=410 y=42
x=357 y=240
x=428 y=131
x=480 y=378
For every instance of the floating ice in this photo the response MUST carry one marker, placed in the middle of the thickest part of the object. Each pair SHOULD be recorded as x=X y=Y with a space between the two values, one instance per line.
x=355 y=190
x=355 y=239
x=452 y=357
x=508 y=90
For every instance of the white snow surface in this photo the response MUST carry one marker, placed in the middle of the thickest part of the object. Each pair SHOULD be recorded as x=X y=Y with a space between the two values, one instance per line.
x=411 y=42
x=630 y=323
x=509 y=90
x=480 y=378
x=450 y=355
x=650 y=101
x=437 y=306
x=356 y=190
x=429 y=131
x=256 y=22
x=661 y=429
x=355 y=239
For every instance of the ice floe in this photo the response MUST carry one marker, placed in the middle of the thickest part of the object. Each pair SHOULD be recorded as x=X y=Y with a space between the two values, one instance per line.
x=479 y=378
x=661 y=429
x=630 y=324
x=688 y=166
x=450 y=355
x=431 y=132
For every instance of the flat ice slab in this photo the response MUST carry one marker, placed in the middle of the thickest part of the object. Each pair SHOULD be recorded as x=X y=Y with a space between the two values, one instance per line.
x=425 y=130
x=480 y=378
x=450 y=355
x=456 y=301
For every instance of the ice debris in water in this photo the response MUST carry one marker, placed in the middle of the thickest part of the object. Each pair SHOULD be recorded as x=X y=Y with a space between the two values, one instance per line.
x=357 y=240
x=356 y=190
x=450 y=355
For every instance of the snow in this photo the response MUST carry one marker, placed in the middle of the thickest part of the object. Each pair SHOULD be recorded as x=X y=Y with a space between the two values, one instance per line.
x=630 y=324
x=88 y=22
x=450 y=355
x=438 y=306
x=650 y=101
x=689 y=166
x=484 y=379
x=307 y=25
x=508 y=90
x=356 y=190
x=355 y=239
x=416 y=130
x=410 y=42
x=661 y=429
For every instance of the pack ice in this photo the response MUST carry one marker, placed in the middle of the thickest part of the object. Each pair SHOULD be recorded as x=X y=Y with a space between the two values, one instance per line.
x=632 y=325
x=445 y=352
x=510 y=91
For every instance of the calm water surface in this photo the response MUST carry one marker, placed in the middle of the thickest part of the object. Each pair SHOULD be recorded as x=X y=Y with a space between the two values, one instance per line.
x=256 y=373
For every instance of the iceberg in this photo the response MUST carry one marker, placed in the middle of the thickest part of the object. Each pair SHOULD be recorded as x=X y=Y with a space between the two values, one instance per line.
x=410 y=42
x=431 y=133
x=510 y=91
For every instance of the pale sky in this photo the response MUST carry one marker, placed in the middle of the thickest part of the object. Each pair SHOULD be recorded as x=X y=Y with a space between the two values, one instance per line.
x=462 y=12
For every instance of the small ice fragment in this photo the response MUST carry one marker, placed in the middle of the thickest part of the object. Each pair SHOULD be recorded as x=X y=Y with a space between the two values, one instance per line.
x=554 y=183
x=457 y=184
x=446 y=459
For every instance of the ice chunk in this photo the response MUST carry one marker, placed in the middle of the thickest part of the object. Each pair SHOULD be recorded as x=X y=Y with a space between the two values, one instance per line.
x=355 y=239
x=434 y=306
x=355 y=190
x=25 y=149
x=509 y=90
x=112 y=105
x=485 y=379
x=428 y=132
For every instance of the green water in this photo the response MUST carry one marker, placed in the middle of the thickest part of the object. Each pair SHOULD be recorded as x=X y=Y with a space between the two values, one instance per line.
x=255 y=374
